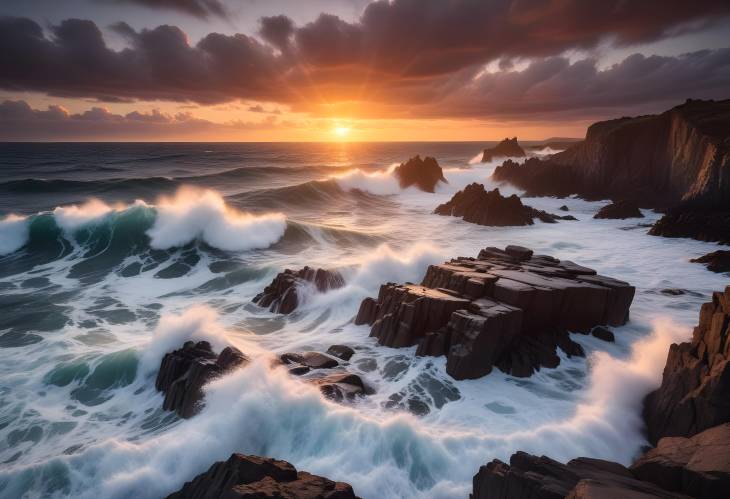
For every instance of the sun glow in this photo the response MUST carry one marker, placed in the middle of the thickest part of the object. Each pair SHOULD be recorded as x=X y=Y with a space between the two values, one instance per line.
x=341 y=132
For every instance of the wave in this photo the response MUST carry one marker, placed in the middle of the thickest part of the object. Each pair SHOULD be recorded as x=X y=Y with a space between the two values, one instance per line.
x=89 y=187
x=380 y=182
x=14 y=231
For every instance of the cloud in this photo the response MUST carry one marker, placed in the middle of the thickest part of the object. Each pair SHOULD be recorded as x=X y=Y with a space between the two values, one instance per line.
x=197 y=8
x=400 y=58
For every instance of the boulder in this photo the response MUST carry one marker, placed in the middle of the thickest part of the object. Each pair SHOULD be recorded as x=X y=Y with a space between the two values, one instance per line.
x=335 y=384
x=508 y=148
x=698 y=466
x=282 y=295
x=477 y=205
x=564 y=208
x=185 y=371
x=342 y=352
x=695 y=390
x=619 y=210
x=252 y=477
x=423 y=173
x=717 y=261
x=603 y=333
x=342 y=386
x=312 y=360
x=506 y=308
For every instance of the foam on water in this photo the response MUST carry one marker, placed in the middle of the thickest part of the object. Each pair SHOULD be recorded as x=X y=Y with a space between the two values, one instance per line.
x=13 y=233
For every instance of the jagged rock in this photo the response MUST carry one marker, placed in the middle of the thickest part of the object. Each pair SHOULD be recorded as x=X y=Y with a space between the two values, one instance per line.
x=695 y=390
x=282 y=295
x=505 y=308
x=717 y=261
x=341 y=352
x=313 y=360
x=477 y=205
x=619 y=210
x=602 y=333
x=423 y=173
x=183 y=373
x=508 y=148
x=700 y=224
x=257 y=477
x=532 y=477
x=698 y=466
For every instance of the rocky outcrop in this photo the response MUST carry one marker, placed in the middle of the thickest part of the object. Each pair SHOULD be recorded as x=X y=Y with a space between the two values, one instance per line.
x=619 y=210
x=698 y=223
x=717 y=261
x=695 y=390
x=423 y=173
x=259 y=477
x=509 y=309
x=183 y=373
x=508 y=148
x=282 y=295
x=477 y=205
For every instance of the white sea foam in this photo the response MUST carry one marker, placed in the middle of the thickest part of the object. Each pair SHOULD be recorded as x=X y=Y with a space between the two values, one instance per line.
x=14 y=231
x=381 y=182
x=72 y=217
x=203 y=214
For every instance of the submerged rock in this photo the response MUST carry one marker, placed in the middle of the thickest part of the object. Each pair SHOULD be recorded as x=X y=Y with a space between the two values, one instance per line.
x=505 y=308
x=477 y=205
x=508 y=148
x=258 y=477
x=620 y=210
x=282 y=295
x=183 y=373
x=603 y=333
x=717 y=261
x=423 y=173
x=695 y=390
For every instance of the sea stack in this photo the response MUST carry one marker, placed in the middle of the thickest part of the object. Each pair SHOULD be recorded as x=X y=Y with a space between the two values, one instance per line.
x=508 y=148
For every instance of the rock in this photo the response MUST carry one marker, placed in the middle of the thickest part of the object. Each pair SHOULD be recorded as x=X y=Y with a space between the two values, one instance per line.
x=532 y=477
x=695 y=390
x=564 y=208
x=423 y=173
x=341 y=386
x=700 y=224
x=257 y=477
x=341 y=352
x=506 y=308
x=508 y=148
x=183 y=373
x=313 y=360
x=619 y=210
x=602 y=333
x=282 y=295
x=673 y=292
x=474 y=204
x=717 y=261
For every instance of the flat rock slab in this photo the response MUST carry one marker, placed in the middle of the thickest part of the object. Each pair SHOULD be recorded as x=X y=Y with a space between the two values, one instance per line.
x=507 y=307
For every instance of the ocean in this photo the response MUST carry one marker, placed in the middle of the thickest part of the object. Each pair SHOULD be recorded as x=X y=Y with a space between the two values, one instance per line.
x=113 y=254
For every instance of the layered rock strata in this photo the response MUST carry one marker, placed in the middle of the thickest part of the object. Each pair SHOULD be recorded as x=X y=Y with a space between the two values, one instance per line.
x=243 y=476
x=477 y=205
x=505 y=308
x=184 y=372
x=283 y=294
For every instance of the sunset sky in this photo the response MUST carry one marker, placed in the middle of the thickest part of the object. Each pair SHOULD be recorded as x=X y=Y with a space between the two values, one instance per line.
x=292 y=70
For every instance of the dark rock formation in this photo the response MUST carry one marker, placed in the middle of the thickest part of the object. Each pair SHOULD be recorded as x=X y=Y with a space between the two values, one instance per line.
x=532 y=477
x=697 y=223
x=508 y=148
x=717 y=261
x=423 y=173
x=282 y=295
x=313 y=360
x=695 y=390
x=698 y=466
x=603 y=333
x=506 y=308
x=258 y=477
x=564 y=208
x=342 y=386
x=183 y=373
x=619 y=210
x=341 y=352
x=679 y=159
x=474 y=204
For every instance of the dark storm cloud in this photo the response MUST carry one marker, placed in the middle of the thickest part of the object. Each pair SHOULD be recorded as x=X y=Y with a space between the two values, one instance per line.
x=197 y=8
x=423 y=55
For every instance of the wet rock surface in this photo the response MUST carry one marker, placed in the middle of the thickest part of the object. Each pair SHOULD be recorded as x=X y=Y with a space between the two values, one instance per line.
x=508 y=148
x=620 y=210
x=423 y=173
x=506 y=308
x=282 y=295
x=700 y=224
x=242 y=476
x=695 y=390
x=185 y=371
x=477 y=205
x=717 y=261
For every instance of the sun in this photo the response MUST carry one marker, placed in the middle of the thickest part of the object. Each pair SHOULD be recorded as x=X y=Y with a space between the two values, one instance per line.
x=341 y=132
